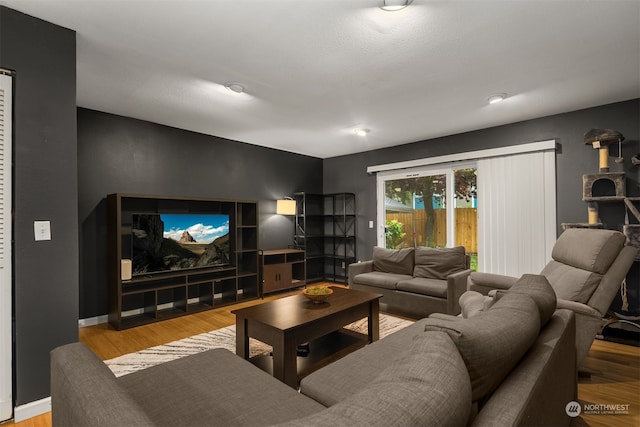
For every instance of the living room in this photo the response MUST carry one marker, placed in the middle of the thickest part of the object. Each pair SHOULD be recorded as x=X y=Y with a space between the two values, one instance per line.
x=68 y=158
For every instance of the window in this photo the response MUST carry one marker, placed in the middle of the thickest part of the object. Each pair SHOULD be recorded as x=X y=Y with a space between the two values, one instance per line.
x=432 y=206
x=504 y=208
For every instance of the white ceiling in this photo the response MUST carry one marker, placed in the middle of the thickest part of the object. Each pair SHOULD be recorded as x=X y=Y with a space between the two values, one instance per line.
x=314 y=70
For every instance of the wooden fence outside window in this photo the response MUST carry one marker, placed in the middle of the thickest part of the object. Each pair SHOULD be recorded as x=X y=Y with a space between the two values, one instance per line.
x=466 y=227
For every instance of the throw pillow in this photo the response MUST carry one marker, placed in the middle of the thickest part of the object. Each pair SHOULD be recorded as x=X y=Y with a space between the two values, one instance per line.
x=427 y=385
x=539 y=289
x=493 y=342
x=438 y=263
x=398 y=261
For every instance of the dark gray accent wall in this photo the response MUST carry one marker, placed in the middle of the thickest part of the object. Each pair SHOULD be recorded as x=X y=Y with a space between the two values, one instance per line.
x=123 y=155
x=348 y=173
x=43 y=56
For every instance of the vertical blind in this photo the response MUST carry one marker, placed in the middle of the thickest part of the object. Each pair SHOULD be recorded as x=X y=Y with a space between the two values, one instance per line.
x=516 y=212
x=6 y=400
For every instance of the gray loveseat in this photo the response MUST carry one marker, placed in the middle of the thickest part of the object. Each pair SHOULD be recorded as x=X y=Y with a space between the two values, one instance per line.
x=414 y=281
x=511 y=364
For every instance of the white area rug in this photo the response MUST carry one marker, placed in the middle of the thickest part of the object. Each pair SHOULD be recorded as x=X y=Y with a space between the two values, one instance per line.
x=220 y=338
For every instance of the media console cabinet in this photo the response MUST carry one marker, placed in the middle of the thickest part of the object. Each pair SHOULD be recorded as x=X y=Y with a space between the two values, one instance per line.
x=282 y=269
x=145 y=298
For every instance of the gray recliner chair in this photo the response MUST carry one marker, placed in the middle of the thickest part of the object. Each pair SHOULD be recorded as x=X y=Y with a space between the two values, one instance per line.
x=586 y=271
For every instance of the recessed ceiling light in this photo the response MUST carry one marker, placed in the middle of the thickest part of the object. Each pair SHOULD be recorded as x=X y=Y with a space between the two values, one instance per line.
x=361 y=132
x=393 y=5
x=498 y=97
x=234 y=87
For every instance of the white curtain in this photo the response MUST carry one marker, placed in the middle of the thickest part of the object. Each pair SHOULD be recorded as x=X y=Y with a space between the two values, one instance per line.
x=516 y=212
x=6 y=401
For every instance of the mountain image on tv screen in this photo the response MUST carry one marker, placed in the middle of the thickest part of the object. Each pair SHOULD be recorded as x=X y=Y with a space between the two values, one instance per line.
x=166 y=242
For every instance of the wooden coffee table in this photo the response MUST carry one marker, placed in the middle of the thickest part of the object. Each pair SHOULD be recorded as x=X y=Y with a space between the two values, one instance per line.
x=288 y=322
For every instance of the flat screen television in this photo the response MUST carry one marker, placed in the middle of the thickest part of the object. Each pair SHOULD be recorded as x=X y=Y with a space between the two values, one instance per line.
x=170 y=242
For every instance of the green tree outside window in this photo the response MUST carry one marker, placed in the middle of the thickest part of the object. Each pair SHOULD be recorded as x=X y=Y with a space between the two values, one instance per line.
x=394 y=233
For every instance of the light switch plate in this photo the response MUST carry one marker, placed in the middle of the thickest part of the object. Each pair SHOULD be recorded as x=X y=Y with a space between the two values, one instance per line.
x=370 y=224
x=42 y=230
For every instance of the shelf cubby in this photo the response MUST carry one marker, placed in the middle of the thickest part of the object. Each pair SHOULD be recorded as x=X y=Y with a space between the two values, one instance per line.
x=246 y=287
x=247 y=262
x=200 y=295
x=225 y=292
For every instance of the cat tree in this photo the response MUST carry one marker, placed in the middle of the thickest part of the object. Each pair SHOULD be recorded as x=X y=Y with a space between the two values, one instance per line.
x=608 y=187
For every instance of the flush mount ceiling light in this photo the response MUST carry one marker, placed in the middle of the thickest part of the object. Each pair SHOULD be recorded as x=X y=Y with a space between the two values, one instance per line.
x=234 y=87
x=498 y=97
x=361 y=132
x=393 y=5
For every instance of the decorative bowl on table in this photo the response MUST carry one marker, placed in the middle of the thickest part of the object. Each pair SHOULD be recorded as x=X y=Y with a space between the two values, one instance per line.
x=317 y=294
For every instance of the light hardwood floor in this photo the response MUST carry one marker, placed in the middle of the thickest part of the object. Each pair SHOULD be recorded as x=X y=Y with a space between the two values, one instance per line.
x=615 y=379
x=615 y=368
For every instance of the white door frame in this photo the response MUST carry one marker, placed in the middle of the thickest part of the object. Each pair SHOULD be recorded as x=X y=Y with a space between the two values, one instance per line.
x=6 y=346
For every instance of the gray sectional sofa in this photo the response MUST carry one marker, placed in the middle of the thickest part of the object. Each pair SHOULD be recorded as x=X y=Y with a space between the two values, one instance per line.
x=512 y=363
x=414 y=281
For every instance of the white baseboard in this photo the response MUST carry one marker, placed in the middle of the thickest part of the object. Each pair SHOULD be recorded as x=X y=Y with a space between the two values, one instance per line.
x=92 y=321
x=32 y=409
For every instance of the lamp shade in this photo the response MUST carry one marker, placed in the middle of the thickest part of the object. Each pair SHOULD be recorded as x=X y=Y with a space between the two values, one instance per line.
x=285 y=207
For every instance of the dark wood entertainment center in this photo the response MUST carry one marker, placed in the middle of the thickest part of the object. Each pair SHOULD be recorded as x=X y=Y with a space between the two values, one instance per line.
x=152 y=297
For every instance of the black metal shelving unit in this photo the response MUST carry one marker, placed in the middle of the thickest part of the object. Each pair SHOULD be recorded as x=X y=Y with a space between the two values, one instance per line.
x=325 y=227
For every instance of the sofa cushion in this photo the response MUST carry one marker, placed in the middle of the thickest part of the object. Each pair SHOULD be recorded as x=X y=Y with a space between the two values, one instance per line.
x=493 y=342
x=438 y=263
x=588 y=249
x=398 y=261
x=215 y=387
x=380 y=279
x=570 y=283
x=427 y=385
x=539 y=289
x=423 y=286
x=350 y=374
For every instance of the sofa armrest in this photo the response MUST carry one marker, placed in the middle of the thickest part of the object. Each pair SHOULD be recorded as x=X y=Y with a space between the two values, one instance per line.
x=537 y=390
x=359 y=268
x=84 y=391
x=456 y=286
x=579 y=308
x=485 y=282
